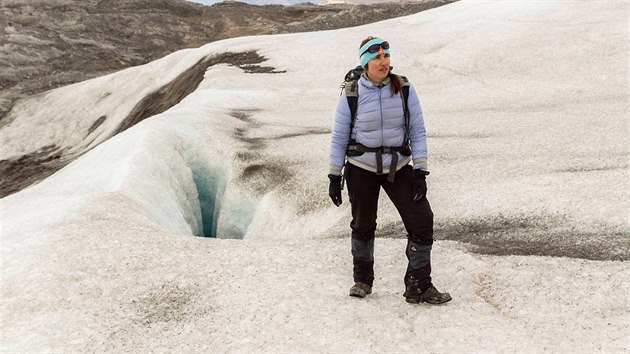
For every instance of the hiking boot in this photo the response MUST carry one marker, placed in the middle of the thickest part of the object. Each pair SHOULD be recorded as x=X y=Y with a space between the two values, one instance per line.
x=360 y=290
x=430 y=296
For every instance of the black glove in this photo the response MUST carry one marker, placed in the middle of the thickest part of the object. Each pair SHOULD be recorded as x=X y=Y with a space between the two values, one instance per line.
x=334 y=190
x=419 y=184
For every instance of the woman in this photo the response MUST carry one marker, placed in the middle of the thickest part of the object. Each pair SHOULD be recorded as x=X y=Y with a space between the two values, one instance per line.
x=374 y=147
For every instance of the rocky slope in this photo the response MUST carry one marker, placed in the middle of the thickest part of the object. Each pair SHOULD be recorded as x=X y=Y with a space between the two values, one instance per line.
x=51 y=43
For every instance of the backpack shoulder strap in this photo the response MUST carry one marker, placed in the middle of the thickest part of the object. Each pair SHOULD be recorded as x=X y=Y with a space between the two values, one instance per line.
x=405 y=89
x=351 y=87
x=352 y=95
x=405 y=98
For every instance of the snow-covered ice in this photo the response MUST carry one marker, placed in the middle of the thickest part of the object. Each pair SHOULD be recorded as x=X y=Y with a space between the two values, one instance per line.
x=526 y=106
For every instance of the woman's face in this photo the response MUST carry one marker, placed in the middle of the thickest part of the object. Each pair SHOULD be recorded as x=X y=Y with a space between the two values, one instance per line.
x=378 y=67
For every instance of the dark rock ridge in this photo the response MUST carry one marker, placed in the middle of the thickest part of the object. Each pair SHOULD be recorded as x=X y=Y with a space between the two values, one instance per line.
x=51 y=43
x=19 y=173
x=175 y=91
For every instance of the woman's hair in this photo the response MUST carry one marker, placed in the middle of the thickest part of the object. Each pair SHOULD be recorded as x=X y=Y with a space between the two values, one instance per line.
x=395 y=80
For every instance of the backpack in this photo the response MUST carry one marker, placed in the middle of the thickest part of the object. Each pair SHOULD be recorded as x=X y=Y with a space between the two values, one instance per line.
x=350 y=85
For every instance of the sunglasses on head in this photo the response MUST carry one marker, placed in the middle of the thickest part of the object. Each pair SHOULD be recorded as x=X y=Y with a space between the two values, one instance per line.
x=375 y=47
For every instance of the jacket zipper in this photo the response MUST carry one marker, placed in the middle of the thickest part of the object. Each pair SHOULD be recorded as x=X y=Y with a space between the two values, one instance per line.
x=380 y=103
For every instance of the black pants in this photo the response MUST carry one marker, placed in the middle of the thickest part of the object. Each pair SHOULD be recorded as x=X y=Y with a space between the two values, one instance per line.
x=363 y=191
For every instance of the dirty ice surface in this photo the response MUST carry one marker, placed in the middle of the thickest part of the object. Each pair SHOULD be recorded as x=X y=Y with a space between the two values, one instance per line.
x=526 y=109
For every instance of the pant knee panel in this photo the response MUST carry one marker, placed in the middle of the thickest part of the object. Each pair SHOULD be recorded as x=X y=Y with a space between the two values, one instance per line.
x=419 y=254
x=363 y=249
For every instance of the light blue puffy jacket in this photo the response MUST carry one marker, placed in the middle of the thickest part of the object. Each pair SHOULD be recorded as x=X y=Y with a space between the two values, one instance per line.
x=380 y=121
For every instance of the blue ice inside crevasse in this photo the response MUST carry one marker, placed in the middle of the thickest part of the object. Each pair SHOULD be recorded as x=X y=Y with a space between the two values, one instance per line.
x=224 y=213
x=210 y=188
